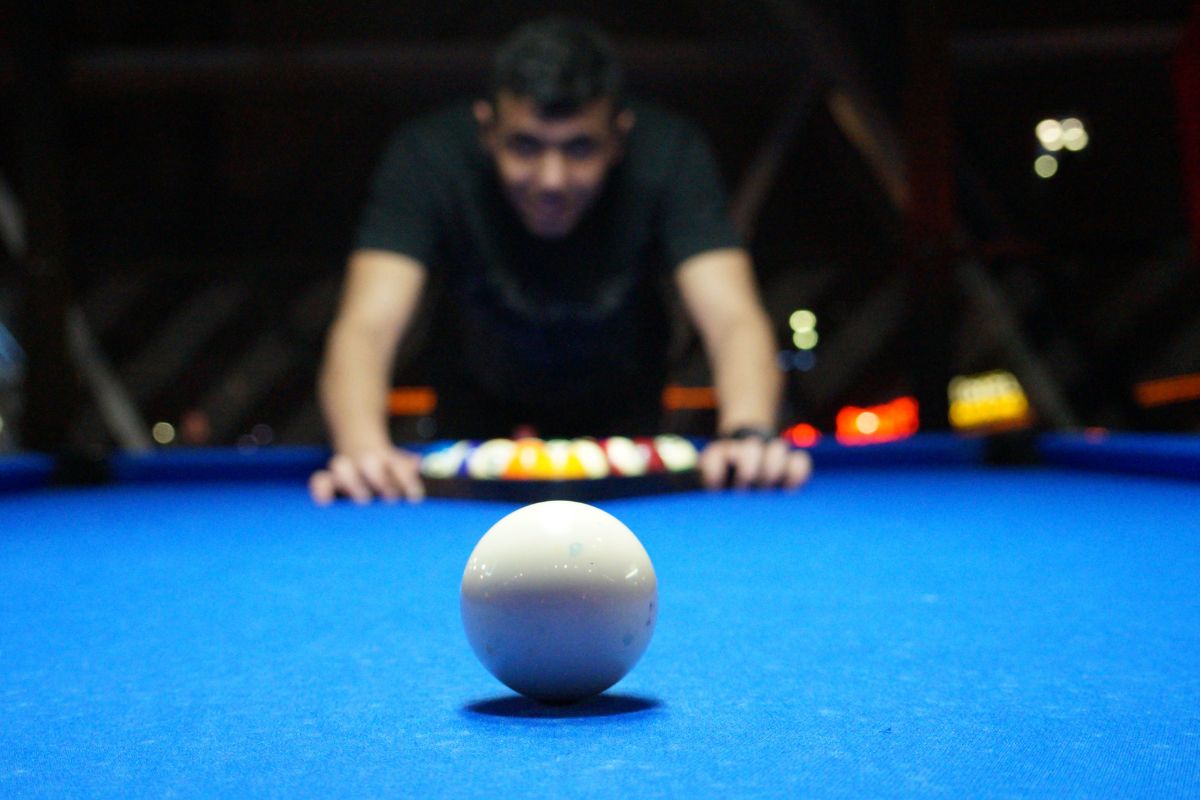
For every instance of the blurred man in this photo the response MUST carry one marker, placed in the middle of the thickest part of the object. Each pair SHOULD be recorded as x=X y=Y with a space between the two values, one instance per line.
x=547 y=217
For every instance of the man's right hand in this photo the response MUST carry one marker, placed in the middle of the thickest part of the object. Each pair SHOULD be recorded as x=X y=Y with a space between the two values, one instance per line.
x=389 y=474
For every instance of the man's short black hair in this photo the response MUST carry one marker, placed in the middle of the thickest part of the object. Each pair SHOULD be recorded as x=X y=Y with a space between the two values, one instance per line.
x=560 y=63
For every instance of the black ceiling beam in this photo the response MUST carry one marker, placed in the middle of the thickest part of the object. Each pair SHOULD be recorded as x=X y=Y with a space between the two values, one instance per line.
x=463 y=64
x=446 y=66
x=1011 y=48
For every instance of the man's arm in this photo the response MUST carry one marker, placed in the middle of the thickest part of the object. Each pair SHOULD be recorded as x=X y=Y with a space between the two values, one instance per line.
x=379 y=298
x=720 y=296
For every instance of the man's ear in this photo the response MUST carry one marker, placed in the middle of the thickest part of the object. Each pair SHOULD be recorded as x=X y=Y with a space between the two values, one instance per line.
x=485 y=114
x=485 y=118
x=624 y=122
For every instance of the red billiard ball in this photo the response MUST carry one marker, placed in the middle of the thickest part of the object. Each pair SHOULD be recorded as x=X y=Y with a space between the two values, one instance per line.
x=654 y=460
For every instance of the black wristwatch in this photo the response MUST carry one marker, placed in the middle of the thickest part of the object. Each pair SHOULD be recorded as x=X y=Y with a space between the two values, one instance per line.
x=750 y=432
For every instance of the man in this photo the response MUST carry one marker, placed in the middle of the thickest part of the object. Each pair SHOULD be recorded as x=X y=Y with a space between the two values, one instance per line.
x=546 y=218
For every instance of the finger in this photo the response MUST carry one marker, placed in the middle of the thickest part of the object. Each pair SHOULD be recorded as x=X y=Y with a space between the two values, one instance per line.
x=799 y=469
x=748 y=461
x=378 y=476
x=321 y=488
x=714 y=461
x=405 y=472
x=348 y=481
x=774 y=463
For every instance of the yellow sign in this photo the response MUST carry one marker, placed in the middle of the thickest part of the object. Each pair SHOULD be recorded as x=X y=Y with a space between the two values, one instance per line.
x=989 y=400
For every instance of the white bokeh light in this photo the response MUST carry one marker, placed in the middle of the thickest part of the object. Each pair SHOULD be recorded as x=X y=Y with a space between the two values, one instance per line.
x=1045 y=166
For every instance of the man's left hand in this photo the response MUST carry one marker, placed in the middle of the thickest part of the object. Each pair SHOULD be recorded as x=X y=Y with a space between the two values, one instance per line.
x=753 y=461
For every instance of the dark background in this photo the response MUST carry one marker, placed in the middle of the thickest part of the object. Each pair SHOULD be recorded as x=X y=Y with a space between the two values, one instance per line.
x=190 y=177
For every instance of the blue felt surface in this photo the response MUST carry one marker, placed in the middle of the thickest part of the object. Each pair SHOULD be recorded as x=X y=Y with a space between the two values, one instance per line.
x=22 y=471
x=926 y=449
x=292 y=463
x=931 y=633
x=1169 y=455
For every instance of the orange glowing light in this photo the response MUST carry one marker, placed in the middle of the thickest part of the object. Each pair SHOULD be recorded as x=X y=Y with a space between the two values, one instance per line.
x=1166 y=391
x=889 y=422
x=412 y=401
x=689 y=398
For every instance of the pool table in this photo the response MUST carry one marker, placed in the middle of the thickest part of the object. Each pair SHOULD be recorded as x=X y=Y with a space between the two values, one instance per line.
x=919 y=621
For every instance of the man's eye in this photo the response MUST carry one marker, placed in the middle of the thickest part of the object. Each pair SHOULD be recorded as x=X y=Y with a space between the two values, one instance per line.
x=580 y=148
x=524 y=146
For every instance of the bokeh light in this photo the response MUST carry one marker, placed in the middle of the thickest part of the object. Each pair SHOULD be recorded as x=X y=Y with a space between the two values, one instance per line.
x=867 y=422
x=802 y=320
x=805 y=340
x=802 y=435
x=1055 y=135
x=262 y=433
x=988 y=401
x=1050 y=133
x=1045 y=166
x=163 y=432
x=1077 y=143
x=888 y=422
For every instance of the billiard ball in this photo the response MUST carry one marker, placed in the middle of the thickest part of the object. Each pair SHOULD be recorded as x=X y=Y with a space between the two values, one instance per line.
x=591 y=458
x=445 y=462
x=649 y=449
x=488 y=460
x=678 y=454
x=559 y=600
x=563 y=463
x=464 y=468
x=625 y=458
x=529 y=460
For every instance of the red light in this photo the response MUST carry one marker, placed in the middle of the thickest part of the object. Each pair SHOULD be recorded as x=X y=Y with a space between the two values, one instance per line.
x=889 y=422
x=802 y=435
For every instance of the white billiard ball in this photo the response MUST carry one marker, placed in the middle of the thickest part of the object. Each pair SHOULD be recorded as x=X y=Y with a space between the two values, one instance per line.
x=445 y=462
x=559 y=600
x=489 y=460
x=677 y=453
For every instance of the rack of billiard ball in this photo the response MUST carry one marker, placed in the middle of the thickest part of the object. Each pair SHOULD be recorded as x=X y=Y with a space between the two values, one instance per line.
x=583 y=468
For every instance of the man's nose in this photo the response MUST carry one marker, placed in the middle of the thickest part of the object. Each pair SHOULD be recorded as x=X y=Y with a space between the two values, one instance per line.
x=552 y=171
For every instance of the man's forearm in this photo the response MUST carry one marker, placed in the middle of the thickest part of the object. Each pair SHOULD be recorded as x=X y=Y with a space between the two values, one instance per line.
x=718 y=290
x=353 y=389
x=747 y=379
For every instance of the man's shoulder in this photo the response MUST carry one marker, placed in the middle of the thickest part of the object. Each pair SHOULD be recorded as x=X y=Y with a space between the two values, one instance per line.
x=655 y=122
x=454 y=115
x=445 y=132
x=663 y=142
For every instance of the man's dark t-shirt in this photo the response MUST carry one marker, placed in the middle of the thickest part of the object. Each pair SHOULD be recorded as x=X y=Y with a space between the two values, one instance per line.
x=569 y=335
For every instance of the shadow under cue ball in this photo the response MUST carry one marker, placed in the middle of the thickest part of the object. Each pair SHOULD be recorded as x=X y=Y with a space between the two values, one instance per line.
x=559 y=600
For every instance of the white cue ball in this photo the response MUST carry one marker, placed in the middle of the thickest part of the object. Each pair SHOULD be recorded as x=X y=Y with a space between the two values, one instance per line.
x=559 y=600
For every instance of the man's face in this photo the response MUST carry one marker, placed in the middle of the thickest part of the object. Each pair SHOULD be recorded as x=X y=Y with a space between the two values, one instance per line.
x=551 y=169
